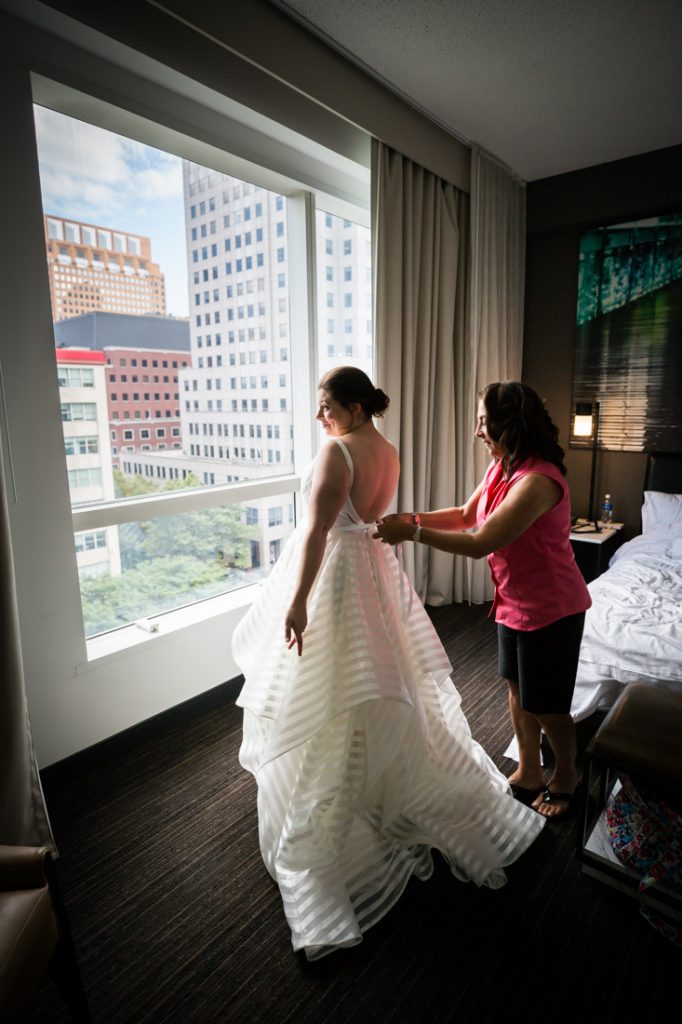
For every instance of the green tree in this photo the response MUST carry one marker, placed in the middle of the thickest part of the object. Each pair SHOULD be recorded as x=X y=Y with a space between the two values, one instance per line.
x=216 y=533
x=156 y=586
x=132 y=486
x=169 y=560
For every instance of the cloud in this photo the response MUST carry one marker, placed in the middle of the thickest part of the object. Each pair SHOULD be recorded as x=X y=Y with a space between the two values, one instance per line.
x=159 y=182
x=79 y=150
x=94 y=174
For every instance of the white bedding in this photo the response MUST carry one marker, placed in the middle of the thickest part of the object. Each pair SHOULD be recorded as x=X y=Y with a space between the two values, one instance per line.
x=633 y=631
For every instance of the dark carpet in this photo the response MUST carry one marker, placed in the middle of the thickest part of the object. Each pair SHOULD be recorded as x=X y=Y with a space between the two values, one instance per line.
x=176 y=919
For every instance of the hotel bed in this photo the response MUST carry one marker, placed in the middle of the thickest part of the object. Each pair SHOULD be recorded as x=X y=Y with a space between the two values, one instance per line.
x=633 y=632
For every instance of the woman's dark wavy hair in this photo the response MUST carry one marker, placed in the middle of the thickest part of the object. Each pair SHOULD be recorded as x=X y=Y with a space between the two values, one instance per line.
x=516 y=420
x=348 y=384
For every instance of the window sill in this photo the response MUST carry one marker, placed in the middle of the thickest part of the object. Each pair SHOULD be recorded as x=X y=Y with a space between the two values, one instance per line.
x=129 y=639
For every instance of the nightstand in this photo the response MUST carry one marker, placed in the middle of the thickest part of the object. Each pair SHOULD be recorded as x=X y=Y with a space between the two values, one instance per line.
x=593 y=550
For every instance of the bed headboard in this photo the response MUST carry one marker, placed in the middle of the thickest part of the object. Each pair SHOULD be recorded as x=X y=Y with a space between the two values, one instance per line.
x=664 y=472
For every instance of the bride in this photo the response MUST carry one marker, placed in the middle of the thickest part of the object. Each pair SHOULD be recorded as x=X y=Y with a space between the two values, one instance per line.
x=352 y=727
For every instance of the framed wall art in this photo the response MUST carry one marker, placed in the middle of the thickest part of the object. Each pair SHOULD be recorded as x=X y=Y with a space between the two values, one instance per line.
x=628 y=348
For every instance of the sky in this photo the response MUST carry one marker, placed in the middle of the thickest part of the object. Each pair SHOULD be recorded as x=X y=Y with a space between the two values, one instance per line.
x=92 y=175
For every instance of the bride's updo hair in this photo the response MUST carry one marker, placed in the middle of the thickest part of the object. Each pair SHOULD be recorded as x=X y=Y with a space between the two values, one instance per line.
x=348 y=384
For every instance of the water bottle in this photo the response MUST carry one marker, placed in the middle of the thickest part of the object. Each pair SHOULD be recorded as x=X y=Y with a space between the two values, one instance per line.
x=607 y=511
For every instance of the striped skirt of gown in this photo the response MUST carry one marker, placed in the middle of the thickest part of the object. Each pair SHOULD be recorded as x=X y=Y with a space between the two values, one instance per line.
x=363 y=757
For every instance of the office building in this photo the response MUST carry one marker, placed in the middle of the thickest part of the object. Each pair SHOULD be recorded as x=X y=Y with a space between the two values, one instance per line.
x=83 y=400
x=144 y=356
x=236 y=399
x=93 y=268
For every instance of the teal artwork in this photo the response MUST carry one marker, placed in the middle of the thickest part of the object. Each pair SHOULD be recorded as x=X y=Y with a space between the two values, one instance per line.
x=628 y=351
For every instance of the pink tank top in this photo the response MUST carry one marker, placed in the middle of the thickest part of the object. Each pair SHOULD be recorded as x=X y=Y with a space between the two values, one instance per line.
x=536 y=578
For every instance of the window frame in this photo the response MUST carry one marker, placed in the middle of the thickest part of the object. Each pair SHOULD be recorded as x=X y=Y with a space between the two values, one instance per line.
x=82 y=692
x=301 y=208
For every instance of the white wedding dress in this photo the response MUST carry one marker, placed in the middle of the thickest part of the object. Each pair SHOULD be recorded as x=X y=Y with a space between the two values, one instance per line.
x=363 y=757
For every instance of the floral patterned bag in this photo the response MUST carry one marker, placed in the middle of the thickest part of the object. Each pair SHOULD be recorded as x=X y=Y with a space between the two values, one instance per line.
x=646 y=834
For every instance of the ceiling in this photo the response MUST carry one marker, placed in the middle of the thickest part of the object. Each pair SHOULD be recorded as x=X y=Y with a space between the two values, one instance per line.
x=545 y=86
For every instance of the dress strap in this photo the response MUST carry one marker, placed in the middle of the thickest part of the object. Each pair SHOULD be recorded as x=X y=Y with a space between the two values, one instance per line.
x=346 y=455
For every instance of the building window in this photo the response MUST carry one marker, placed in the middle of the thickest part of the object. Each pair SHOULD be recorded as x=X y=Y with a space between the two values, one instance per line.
x=76 y=376
x=84 y=478
x=74 y=411
x=76 y=445
x=91 y=541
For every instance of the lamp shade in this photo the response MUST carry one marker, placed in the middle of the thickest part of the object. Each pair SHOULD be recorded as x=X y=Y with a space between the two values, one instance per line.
x=583 y=419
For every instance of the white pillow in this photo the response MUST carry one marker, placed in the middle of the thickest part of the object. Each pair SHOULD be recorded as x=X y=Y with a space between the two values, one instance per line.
x=661 y=511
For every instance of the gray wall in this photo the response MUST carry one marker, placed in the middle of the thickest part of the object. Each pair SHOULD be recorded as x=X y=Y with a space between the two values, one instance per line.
x=559 y=210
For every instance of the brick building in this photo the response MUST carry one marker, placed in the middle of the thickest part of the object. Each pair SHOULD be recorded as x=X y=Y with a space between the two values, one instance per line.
x=143 y=357
x=100 y=269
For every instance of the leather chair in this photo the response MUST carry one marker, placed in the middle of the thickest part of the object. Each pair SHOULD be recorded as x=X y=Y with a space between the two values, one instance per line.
x=34 y=935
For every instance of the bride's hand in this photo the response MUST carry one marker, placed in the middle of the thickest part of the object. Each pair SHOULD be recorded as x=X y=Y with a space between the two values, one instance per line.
x=295 y=623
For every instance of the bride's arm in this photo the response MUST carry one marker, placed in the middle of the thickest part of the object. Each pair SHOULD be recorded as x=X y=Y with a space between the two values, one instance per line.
x=329 y=491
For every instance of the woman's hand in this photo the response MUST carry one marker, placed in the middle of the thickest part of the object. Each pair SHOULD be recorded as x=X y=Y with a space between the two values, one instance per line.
x=395 y=529
x=295 y=623
x=398 y=517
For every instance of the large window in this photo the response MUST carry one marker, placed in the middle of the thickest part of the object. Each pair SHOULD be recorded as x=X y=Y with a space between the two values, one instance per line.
x=170 y=296
x=138 y=210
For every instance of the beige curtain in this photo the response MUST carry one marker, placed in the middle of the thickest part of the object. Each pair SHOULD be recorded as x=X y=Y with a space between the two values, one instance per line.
x=494 y=331
x=23 y=819
x=420 y=235
x=448 y=318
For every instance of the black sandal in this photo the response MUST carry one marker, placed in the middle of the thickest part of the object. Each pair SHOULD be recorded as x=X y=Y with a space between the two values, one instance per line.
x=524 y=795
x=549 y=796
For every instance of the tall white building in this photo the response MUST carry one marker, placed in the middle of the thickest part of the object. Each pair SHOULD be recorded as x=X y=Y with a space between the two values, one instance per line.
x=344 y=293
x=235 y=399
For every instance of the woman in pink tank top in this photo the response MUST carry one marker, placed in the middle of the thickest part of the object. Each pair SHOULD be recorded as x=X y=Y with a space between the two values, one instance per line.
x=521 y=510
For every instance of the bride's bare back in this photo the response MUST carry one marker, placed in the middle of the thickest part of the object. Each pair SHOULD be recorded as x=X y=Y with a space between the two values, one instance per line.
x=376 y=470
